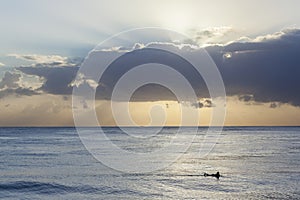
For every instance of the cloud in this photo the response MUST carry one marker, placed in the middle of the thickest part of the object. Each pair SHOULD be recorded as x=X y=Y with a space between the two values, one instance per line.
x=40 y=58
x=279 y=36
x=203 y=103
x=267 y=69
x=149 y=92
x=50 y=74
x=81 y=79
x=246 y=98
x=10 y=80
x=57 y=79
x=214 y=35
x=47 y=60
x=9 y=85
x=263 y=70
x=274 y=105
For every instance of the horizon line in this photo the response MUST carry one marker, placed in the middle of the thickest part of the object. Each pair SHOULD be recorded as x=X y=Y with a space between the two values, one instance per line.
x=149 y=126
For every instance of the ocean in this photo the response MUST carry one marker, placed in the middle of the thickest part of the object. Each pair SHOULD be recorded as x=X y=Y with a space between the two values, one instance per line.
x=52 y=163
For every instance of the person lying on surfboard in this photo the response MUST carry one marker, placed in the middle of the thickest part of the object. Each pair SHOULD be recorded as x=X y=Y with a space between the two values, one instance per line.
x=217 y=175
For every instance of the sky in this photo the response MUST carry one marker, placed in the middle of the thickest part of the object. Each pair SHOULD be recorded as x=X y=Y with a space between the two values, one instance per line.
x=254 y=44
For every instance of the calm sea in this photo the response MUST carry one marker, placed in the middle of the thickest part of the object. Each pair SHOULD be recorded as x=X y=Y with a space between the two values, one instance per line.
x=52 y=163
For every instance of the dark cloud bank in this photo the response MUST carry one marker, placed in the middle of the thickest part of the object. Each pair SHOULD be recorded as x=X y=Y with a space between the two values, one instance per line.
x=263 y=70
x=58 y=79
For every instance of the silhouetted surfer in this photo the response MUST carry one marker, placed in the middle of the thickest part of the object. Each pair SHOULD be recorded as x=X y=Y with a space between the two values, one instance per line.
x=217 y=175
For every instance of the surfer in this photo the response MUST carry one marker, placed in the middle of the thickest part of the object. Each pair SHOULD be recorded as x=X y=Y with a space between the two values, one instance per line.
x=217 y=175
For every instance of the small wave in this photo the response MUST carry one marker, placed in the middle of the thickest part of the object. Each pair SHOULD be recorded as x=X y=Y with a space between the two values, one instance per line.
x=38 y=187
x=54 y=188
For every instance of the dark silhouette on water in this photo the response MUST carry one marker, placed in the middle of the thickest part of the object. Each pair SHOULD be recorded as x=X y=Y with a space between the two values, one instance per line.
x=217 y=175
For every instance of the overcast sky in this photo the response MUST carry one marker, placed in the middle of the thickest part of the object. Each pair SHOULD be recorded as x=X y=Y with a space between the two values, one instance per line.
x=254 y=44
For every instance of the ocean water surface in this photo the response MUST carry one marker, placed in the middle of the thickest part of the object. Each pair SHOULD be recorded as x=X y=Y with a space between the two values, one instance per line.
x=52 y=163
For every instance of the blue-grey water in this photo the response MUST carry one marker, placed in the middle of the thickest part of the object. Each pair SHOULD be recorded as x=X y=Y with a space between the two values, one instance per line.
x=52 y=163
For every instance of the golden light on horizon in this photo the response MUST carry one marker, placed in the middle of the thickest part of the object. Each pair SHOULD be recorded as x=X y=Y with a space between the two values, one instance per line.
x=59 y=113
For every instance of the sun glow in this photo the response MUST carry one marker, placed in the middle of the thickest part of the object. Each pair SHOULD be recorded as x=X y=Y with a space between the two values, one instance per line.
x=177 y=21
